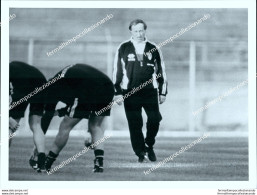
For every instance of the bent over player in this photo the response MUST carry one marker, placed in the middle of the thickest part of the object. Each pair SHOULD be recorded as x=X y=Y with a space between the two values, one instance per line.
x=85 y=90
x=137 y=61
x=24 y=83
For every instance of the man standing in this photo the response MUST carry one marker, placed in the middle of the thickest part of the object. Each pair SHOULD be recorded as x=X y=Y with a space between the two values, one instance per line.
x=137 y=61
x=85 y=90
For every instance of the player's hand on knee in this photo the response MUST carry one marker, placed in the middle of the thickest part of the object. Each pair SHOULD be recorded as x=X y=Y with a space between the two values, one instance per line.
x=118 y=99
x=162 y=99
x=13 y=124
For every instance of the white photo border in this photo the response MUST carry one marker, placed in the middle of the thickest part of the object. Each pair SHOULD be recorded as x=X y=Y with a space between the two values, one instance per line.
x=250 y=5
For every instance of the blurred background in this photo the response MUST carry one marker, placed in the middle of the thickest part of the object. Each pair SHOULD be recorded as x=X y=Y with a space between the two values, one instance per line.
x=217 y=48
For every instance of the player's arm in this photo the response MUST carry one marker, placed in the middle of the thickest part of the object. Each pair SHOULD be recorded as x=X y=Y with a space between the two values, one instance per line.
x=117 y=75
x=162 y=78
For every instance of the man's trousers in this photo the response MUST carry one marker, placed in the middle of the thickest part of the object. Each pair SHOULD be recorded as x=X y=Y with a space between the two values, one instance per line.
x=147 y=99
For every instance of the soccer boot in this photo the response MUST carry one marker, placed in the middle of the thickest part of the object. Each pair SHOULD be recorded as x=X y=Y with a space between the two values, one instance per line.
x=98 y=165
x=33 y=162
x=49 y=162
x=41 y=162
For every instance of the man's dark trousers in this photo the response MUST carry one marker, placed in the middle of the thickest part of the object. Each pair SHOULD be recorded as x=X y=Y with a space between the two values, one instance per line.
x=147 y=99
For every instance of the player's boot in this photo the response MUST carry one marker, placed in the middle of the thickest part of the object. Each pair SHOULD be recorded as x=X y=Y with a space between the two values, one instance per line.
x=33 y=159
x=33 y=162
x=151 y=154
x=98 y=165
x=142 y=157
x=41 y=162
x=49 y=162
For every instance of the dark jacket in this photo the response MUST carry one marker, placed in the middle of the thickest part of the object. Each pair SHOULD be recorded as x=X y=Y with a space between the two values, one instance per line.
x=129 y=72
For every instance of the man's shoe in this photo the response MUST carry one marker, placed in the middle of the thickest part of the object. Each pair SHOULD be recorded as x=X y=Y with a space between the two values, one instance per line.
x=49 y=162
x=41 y=168
x=41 y=162
x=142 y=158
x=98 y=165
x=151 y=154
x=33 y=162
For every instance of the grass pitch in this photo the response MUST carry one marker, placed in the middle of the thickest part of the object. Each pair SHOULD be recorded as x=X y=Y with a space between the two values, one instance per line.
x=213 y=159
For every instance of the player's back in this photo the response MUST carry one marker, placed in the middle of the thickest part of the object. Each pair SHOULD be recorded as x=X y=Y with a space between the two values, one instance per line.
x=81 y=85
x=80 y=80
x=24 y=78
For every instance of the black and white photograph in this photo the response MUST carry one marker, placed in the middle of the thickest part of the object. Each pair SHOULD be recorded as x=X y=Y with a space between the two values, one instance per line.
x=129 y=94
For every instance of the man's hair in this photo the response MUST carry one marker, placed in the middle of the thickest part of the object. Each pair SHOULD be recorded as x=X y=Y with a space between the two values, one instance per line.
x=137 y=21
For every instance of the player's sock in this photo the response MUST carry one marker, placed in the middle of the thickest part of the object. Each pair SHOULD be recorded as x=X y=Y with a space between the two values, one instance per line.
x=98 y=162
x=52 y=154
x=51 y=157
x=99 y=153
x=41 y=162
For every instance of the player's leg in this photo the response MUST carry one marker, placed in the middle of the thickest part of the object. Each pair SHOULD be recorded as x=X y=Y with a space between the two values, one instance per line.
x=133 y=110
x=98 y=123
x=97 y=126
x=39 y=140
x=151 y=107
x=35 y=117
x=38 y=134
x=61 y=139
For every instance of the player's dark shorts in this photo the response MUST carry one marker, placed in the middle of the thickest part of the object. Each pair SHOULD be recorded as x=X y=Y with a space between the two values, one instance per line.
x=90 y=105
x=36 y=101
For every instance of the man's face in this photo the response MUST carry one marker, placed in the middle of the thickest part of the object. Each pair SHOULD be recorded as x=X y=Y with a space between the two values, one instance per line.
x=138 y=32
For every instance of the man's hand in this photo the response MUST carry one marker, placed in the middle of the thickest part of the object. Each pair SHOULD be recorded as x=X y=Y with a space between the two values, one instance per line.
x=13 y=124
x=118 y=99
x=162 y=98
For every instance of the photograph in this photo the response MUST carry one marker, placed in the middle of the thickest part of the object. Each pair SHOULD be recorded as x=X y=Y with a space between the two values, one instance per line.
x=128 y=93
x=131 y=96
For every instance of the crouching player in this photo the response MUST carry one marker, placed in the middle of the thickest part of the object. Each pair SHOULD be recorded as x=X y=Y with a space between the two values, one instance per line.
x=25 y=81
x=85 y=91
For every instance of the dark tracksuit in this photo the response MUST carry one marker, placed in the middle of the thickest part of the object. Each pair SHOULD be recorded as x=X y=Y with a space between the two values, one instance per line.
x=130 y=72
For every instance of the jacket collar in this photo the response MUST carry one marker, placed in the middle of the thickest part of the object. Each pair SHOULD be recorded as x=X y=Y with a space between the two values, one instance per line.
x=133 y=41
